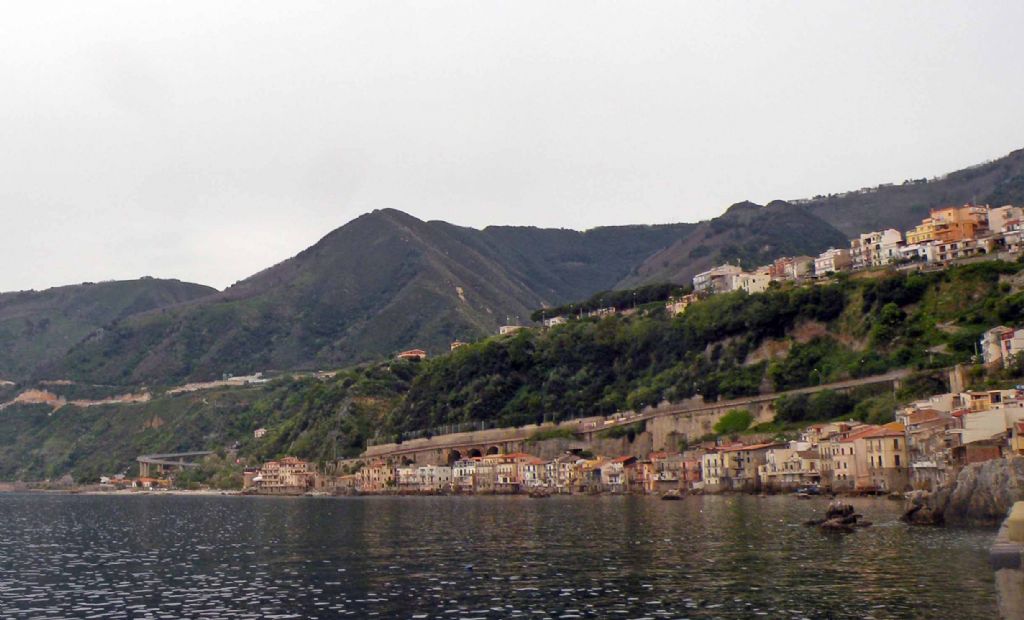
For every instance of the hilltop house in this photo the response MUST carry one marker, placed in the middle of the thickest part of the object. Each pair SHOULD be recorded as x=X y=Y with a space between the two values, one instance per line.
x=413 y=354
x=716 y=280
x=875 y=249
x=832 y=260
x=1001 y=344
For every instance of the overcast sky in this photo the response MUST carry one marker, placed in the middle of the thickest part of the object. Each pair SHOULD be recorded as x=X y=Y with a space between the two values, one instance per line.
x=208 y=140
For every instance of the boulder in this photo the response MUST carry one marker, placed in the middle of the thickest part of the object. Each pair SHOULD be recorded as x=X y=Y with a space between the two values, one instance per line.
x=838 y=509
x=982 y=494
x=839 y=517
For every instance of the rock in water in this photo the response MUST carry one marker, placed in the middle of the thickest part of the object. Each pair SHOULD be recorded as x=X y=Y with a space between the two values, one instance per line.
x=839 y=517
x=918 y=511
x=838 y=509
x=982 y=493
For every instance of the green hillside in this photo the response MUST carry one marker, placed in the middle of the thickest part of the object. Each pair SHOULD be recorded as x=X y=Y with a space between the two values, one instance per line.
x=746 y=233
x=382 y=283
x=38 y=327
x=903 y=204
x=725 y=346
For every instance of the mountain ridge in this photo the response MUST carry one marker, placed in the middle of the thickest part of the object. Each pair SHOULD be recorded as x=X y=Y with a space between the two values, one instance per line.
x=387 y=281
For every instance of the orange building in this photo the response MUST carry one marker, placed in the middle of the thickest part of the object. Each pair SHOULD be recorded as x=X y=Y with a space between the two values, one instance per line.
x=414 y=354
x=950 y=225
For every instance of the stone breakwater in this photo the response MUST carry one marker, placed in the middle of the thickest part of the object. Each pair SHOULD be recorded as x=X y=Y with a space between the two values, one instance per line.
x=982 y=494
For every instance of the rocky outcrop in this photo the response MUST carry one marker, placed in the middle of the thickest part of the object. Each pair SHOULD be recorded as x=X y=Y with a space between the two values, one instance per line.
x=981 y=495
x=919 y=510
x=839 y=517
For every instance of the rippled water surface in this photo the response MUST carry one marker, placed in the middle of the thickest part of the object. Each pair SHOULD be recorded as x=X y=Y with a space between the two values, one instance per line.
x=464 y=557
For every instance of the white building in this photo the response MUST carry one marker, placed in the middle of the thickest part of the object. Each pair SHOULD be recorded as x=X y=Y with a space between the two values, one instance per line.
x=434 y=478
x=717 y=280
x=832 y=260
x=875 y=249
x=752 y=282
x=1000 y=344
x=408 y=478
x=1001 y=218
x=555 y=320
x=534 y=473
x=464 y=474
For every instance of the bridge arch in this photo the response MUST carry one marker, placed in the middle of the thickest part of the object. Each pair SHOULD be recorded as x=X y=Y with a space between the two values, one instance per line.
x=475 y=453
x=493 y=450
x=453 y=456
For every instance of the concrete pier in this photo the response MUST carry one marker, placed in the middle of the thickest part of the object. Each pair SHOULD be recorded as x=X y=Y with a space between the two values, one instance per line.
x=1007 y=559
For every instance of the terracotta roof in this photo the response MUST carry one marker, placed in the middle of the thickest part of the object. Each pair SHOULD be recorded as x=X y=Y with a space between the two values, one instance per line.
x=859 y=433
x=757 y=446
x=624 y=459
x=893 y=429
x=923 y=415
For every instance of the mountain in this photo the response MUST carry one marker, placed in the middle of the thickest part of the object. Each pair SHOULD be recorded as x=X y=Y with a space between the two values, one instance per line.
x=388 y=281
x=729 y=345
x=903 y=206
x=384 y=282
x=39 y=327
x=749 y=233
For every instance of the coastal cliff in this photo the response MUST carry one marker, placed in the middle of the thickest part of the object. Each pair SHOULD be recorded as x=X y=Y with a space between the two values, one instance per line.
x=982 y=494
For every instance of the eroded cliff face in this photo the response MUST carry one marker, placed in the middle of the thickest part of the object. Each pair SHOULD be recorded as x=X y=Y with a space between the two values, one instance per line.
x=982 y=494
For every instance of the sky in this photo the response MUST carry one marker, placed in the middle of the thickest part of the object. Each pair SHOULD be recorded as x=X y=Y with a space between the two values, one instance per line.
x=206 y=141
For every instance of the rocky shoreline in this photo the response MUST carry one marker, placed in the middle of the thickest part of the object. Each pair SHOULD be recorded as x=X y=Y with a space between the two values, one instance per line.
x=981 y=495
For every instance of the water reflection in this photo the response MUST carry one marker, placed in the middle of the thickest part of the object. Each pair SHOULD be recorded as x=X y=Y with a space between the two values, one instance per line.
x=232 y=557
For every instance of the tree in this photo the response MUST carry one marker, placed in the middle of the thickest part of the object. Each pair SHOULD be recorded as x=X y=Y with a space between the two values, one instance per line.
x=734 y=421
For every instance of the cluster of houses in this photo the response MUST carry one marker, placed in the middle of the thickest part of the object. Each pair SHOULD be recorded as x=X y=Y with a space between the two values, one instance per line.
x=946 y=235
x=926 y=445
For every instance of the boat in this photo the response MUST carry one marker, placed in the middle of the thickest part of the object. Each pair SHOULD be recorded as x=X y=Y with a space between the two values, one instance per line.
x=672 y=495
x=539 y=493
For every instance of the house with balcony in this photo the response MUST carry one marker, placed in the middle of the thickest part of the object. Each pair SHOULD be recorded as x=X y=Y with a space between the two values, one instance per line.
x=832 y=260
x=719 y=279
x=876 y=249
x=888 y=460
x=1000 y=345
x=286 y=476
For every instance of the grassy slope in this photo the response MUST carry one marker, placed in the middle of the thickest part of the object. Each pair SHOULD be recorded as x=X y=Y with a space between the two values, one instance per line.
x=382 y=283
x=748 y=233
x=851 y=327
x=37 y=327
x=902 y=206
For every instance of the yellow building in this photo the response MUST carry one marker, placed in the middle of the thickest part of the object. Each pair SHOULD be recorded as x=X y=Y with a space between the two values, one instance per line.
x=950 y=224
x=888 y=467
x=287 y=475
x=377 y=477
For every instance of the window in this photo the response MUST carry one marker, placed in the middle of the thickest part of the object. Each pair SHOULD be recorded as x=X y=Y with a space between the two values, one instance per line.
x=897 y=458
x=896 y=444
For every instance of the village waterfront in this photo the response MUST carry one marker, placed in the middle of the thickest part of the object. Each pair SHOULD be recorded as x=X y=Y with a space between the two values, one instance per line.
x=735 y=556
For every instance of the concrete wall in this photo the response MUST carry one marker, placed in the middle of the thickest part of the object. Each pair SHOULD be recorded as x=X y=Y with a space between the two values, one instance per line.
x=670 y=430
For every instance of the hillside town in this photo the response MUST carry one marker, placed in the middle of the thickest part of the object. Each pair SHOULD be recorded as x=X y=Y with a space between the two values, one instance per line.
x=945 y=236
x=925 y=445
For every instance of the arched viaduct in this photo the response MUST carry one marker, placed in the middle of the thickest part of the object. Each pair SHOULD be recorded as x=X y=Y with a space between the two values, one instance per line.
x=666 y=427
